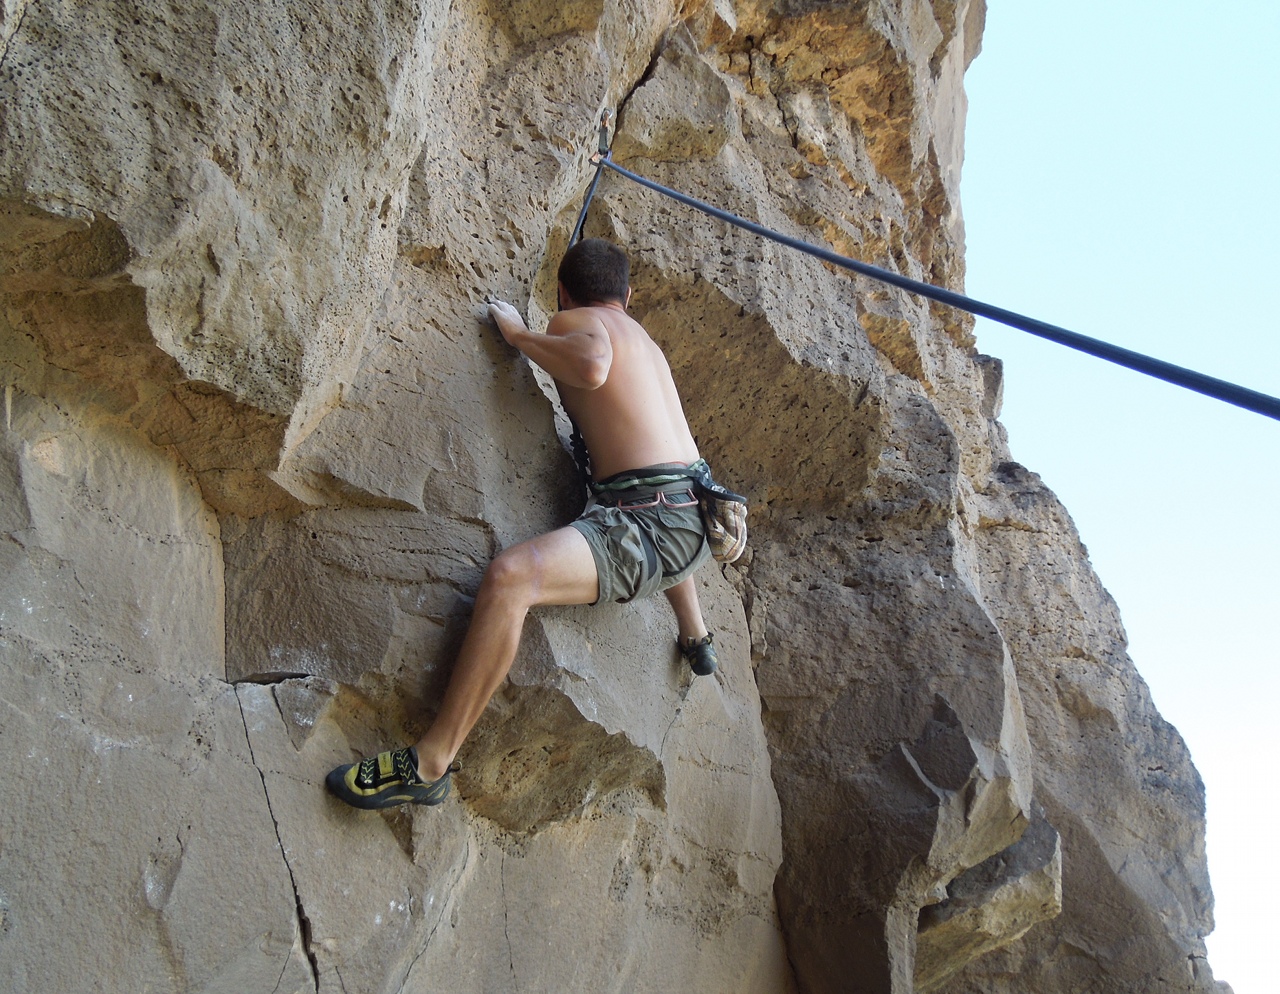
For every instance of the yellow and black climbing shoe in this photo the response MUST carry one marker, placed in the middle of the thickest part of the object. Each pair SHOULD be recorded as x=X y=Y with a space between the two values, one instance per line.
x=385 y=780
x=701 y=654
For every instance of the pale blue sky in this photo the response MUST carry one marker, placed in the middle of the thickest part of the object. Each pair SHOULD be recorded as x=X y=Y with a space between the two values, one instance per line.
x=1121 y=181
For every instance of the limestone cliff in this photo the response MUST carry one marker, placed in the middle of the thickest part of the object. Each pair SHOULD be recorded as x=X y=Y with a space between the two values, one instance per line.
x=259 y=444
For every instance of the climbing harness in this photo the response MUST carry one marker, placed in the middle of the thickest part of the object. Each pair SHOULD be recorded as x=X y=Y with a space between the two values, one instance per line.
x=1249 y=400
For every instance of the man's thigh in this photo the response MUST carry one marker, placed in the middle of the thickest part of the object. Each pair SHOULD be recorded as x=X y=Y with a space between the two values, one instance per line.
x=562 y=565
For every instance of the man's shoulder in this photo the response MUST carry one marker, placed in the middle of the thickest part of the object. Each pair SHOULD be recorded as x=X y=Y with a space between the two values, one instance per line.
x=574 y=319
x=614 y=322
x=618 y=322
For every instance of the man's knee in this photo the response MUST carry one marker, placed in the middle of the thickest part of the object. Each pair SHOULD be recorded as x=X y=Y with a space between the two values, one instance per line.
x=513 y=573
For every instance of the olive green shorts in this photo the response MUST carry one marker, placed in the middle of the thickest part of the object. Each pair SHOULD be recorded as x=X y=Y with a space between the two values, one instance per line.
x=647 y=541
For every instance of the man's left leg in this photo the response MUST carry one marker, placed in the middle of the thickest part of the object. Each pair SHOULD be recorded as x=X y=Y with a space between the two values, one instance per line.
x=683 y=598
x=695 y=641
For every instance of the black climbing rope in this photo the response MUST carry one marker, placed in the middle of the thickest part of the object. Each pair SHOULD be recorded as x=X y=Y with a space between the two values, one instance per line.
x=1250 y=400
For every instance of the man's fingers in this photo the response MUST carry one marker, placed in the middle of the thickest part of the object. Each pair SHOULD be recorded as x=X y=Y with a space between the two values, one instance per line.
x=500 y=309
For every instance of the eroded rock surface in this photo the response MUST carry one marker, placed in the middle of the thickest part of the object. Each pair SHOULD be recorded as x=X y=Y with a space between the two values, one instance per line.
x=260 y=443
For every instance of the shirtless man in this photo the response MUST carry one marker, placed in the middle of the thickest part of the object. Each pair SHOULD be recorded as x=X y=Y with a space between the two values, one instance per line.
x=641 y=532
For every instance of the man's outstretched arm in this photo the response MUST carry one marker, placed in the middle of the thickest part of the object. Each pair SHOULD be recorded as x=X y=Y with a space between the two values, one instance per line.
x=576 y=349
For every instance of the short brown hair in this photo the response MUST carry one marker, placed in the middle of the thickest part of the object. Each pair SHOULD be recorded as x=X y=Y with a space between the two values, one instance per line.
x=596 y=271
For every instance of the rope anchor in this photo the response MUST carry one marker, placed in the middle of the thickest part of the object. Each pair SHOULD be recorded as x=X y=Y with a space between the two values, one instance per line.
x=597 y=159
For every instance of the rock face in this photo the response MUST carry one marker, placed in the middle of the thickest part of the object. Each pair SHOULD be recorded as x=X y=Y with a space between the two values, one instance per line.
x=259 y=445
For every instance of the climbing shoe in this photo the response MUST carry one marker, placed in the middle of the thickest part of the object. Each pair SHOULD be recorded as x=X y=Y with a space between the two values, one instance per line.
x=701 y=654
x=387 y=779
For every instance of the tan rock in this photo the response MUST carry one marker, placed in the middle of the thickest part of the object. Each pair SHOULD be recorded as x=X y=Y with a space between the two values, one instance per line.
x=990 y=905
x=260 y=443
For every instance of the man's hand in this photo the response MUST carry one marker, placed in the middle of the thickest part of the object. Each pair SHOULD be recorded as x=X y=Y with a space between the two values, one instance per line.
x=508 y=320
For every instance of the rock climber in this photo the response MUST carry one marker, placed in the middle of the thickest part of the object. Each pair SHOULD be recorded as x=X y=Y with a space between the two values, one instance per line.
x=641 y=531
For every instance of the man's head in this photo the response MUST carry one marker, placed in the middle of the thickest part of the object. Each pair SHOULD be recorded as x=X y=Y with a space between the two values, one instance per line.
x=596 y=271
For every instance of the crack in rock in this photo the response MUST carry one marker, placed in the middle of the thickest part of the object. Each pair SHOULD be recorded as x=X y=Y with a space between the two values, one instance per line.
x=269 y=678
x=304 y=922
x=4 y=55
x=506 y=915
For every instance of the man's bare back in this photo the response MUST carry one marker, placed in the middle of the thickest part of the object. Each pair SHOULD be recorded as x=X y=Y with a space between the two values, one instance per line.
x=634 y=418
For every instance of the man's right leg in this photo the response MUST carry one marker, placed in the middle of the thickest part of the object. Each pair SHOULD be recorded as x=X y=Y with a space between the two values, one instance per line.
x=556 y=568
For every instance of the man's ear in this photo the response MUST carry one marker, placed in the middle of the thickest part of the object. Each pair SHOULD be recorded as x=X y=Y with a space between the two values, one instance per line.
x=562 y=296
x=628 y=302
